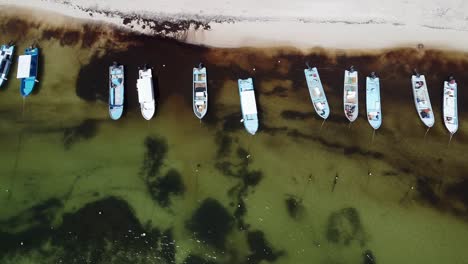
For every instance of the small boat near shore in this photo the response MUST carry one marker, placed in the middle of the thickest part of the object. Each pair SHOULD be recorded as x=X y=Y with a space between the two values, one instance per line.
x=422 y=100
x=116 y=90
x=27 y=70
x=450 y=105
x=146 y=92
x=373 y=105
x=317 y=94
x=200 y=92
x=350 y=94
x=248 y=105
x=6 y=58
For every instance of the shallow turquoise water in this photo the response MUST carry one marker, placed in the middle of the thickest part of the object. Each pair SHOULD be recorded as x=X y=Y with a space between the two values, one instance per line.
x=77 y=187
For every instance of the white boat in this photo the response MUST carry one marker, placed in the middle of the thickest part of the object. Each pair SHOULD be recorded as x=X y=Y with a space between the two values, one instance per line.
x=146 y=93
x=373 y=105
x=422 y=100
x=317 y=94
x=350 y=94
x=248 y=105
x=200 y=92
x=6 y=57
x=450 y=105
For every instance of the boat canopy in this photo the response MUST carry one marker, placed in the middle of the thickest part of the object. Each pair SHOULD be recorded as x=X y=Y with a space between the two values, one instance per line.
x=248 y=102
x=24 y=66
x=145 y=90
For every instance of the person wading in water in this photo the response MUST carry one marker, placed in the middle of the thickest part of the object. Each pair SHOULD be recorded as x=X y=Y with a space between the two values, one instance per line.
x=335 y=181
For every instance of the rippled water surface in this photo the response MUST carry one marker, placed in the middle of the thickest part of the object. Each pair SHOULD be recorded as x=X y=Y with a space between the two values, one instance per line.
x=76 y=187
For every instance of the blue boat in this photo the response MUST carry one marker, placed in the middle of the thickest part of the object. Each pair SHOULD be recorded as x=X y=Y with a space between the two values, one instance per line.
x=374 y=108
x=317 y=94
x=6 y=57
x=248 y=105
x=27 y=70
x=116 y=91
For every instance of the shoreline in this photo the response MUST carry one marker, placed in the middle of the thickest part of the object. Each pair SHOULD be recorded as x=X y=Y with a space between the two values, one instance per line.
x=266 y=32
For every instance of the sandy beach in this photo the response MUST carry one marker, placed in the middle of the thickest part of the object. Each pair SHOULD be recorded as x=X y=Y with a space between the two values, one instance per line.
x=357 y=24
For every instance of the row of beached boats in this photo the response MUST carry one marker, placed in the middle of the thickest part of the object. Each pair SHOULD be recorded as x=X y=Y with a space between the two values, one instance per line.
x=373 y=103
x=27 y=67
x=316 y=91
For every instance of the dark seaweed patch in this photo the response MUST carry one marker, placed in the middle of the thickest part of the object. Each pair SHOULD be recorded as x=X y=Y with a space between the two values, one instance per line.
x=90 y=36
x=30 y=227
x=168 y=249
x=156 y=151
x=458 y=191
x=260 y=249
x=232 y=122
x=277 y=91
x=164 y=187
x=49 y=34
x=194 y=259
x=294 y=206
x=70 y=38
x=426 y=188
x=344 y=226
x=84 y=131
x=160 y=187
x=296 y=115
x=211 y=223
x=104 y=231
x=224 y=143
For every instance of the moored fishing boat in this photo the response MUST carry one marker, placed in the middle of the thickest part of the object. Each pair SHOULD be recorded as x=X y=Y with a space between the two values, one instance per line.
x=373 y=105
x=27 y=70
x=116 y=90
x=450 y=105
x=146 y=92
x=350 y=94
x=6 y=57
x=248 y=105
x=422 y=100
x=200 y=91
x=317 y=94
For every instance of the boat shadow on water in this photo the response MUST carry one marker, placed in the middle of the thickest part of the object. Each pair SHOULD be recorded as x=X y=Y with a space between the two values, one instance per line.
x=40 y=71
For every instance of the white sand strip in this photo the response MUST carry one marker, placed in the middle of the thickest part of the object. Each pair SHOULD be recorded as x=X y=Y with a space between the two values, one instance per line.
x=343 y=24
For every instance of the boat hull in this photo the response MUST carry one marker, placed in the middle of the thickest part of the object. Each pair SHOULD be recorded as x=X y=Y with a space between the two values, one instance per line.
x=28 y=75
x=350 y=95
x=373 y=103
x=422 y=101
x=146 y=93
x=248 y=105
x=116 y=91
x=317 y=94
x=200 y=92
x=450 y=107
x=6 y=58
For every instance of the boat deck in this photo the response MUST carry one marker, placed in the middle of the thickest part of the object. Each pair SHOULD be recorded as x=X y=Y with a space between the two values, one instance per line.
x=317 y=94
x=373 y=105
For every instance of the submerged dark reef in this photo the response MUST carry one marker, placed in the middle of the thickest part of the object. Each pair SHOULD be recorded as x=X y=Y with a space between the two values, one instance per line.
x=160 y=187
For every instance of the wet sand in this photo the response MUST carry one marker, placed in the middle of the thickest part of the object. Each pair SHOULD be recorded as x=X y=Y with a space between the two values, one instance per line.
x=80 y=187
